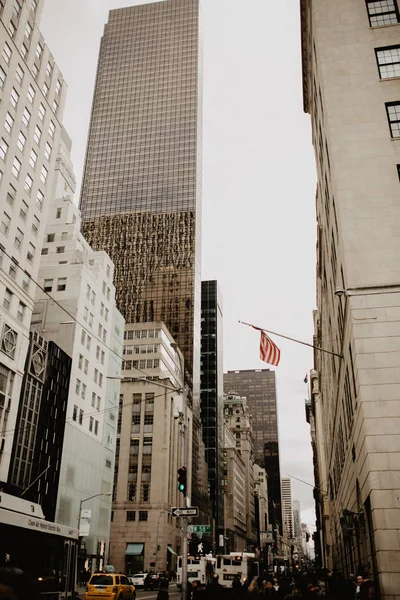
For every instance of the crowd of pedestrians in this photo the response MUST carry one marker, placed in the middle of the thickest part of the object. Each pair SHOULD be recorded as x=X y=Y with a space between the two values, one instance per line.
x=306 y=585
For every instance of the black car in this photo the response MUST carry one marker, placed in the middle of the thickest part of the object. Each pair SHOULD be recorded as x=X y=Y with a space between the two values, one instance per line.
x=154 y=580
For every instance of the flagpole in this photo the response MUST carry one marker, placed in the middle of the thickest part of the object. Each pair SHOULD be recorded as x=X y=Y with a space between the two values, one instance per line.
x=286 y=337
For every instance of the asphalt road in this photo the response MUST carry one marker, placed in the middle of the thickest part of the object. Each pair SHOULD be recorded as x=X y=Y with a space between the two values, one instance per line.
x=152 y=594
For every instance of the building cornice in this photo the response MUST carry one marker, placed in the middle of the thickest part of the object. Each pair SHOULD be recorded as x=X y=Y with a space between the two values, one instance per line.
x=304 y=8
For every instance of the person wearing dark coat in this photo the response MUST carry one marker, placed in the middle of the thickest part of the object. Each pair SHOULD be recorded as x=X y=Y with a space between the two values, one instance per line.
x=215 y=591
x=269 y=592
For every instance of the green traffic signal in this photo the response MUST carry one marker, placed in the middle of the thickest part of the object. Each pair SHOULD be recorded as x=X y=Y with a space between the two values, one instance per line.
x=182 y=480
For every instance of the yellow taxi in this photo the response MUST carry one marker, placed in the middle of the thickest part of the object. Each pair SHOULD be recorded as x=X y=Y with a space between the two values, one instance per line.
x=109 y=586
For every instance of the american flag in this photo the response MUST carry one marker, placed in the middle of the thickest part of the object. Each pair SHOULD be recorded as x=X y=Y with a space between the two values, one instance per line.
x=269 y=352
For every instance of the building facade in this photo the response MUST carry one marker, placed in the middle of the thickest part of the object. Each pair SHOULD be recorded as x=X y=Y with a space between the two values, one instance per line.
x=37 y=449
x=258 y=386
x=234 y=488
x=352 y=93
x=264 y=531
x=75 y=308
x=141 y=192
x=287 y=516
x=212 y=397
x=238 y=420
x=32 y=92
x=150 y=450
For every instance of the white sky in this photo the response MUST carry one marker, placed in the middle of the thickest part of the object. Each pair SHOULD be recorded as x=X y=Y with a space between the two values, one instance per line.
x=258 y=182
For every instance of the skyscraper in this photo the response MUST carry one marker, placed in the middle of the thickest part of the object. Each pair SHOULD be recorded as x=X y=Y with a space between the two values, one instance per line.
x=141 y=193
x=212 y=396
x=258 y=386
x=287 y=508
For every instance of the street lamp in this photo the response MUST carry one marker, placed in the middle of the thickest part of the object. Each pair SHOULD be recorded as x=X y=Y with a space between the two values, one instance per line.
x=90 y=498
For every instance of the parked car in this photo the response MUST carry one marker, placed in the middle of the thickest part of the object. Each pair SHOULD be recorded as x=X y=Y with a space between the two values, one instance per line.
x=111 y=586
x=137 y=580
x=153 y=581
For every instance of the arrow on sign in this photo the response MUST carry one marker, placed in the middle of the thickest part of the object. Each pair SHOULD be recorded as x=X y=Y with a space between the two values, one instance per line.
x=192 y=511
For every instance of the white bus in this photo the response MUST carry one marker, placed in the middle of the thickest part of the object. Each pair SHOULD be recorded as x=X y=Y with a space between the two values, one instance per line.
x=200 y=568
x=241 y=564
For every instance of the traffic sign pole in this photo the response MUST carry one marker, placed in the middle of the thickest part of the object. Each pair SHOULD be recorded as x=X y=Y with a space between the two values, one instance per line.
x=186 y=463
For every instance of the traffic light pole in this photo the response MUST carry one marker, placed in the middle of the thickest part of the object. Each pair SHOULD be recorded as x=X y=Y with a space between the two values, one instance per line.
x=186 y=503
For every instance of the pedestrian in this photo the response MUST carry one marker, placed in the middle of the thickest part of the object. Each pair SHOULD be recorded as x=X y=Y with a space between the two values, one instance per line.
x=269 y=590
x=215 y=590
x=357 y=593
x=252 y=591
x=237 y=589
x=163 y=591
x=367 y=588
x=14 y=585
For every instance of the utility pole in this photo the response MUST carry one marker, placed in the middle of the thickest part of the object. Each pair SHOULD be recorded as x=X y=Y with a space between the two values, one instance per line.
x=187 y=502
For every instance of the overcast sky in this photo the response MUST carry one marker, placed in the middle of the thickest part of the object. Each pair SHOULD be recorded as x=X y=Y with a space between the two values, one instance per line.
x=258 y=182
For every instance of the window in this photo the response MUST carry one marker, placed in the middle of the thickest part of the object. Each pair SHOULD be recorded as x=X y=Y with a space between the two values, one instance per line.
x=33 y=5
x=3 y=149
x=8 y=123
x=96 y=427
x=45 y=251
x=31 y=252
x=382 y=12
x=58 y=86
x=21 y=312
x=16 y=167
x=80 y=417
x=21 y=141
x=83 y=391
x=93 y=298
x=25 y=282
x=55 y=106
x=61 y=284
x=75 y=413
x=77 y=387
x=24 y=52
x=388 y=60
x=2 y=77
x=43 y=174
x=5 y=224
x=7 y=298
x=93 y=399
x=12 y=271
x=39 y=200
x=80 y=362
x=7 y=53
x=88 y=342
x=42 y=112
x=28 y=184
x=10 y=198
x=60 y=249
x=49 y=68
x=28 y=31
x=16 y=8
x=37 y=135
x=91 y=424
x=48 y=285
x=45 y=89
x=14 y=97
x=33 y=159
x=143 y=515
x=19 y=74
x=31 y=94
x=90 y=319
x=39 y=50
x=393 y=114
x=19 y=238
x=26 y=117
x=85 y=314
x=23 y=212
x=131 y=515
x=95 y=376
x=52 y=129
x=11 y=29
x=47 y=151
x=35 y=225
x=58 y=213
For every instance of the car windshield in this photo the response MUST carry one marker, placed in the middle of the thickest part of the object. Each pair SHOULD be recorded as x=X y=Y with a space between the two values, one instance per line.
x=101 y=580
x=139 y=575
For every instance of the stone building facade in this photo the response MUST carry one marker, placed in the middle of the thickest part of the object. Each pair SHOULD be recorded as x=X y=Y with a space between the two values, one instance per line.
x=352 y=93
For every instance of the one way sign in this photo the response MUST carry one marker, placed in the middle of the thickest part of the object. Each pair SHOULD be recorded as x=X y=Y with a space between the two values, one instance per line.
x=192 y=511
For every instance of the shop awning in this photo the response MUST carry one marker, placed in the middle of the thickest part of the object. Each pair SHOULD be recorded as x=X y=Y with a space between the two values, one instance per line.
x=171 y=550
x=134 y=549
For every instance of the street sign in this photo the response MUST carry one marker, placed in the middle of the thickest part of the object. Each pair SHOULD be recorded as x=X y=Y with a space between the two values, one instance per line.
x=192 y=511
x=199 y=528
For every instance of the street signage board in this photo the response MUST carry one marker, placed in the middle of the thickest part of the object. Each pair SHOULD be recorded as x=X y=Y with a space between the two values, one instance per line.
x=199 y=528
x=185 y=511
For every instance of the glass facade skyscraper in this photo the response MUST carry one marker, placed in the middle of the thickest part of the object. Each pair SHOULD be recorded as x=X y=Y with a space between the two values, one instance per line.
x=212 y=396
x=258 y=386
x=141 y=192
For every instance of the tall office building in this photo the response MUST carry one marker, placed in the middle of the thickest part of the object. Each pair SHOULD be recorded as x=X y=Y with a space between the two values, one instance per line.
x=351 y=70
x=287 y=508
x=296 y=518
x=141 y=193
x=258 y=386
x=32 y=94
x=212 y=397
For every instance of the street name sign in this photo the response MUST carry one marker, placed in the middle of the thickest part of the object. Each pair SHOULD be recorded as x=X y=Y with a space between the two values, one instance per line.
x=189 y=511
x=199 y=528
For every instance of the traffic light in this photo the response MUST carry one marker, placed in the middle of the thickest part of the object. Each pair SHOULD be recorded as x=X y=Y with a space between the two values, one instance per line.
x=182 y=480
